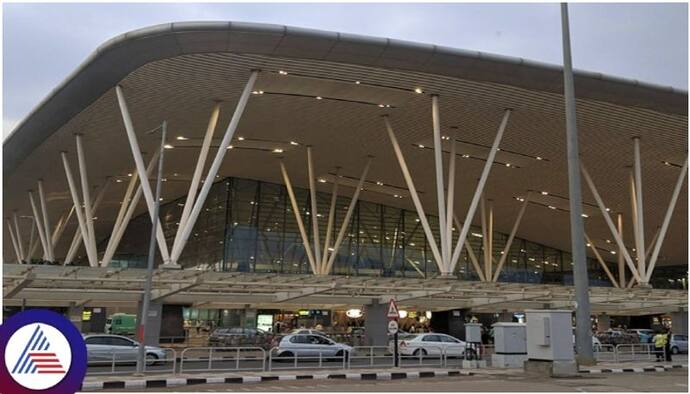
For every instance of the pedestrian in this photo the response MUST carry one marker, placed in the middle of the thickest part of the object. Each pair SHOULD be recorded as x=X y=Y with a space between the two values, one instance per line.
x=660 y=340
x=667 y=346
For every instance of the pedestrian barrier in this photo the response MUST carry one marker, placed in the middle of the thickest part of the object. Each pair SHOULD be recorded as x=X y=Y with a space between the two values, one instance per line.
x=125 y=361
x=605 y=353
x=417 y=356
x=639 y=352
x=195 y=359
x=370 y=356
x=279 y=359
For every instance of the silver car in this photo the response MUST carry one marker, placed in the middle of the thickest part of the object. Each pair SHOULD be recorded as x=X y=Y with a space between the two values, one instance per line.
x=102 y=349
x=679 y=343
x=311 y=346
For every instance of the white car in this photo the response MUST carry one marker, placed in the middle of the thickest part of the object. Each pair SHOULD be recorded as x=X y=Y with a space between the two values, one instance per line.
x=429 y=344
x=311 y=346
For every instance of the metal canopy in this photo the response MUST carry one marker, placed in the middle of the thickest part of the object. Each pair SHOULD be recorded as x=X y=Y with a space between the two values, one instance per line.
x=60 y=286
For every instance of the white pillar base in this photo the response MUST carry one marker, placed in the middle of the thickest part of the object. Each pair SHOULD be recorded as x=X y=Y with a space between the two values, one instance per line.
x=508 y=360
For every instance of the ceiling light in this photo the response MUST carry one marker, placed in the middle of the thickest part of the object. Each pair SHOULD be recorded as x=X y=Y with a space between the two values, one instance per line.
x=508 y=164
x=544 y=193
x=667 y=163
x=277 y=150
x=466 y=156
x=538 y=158
x=230 y=146
x=294 y=143
x=319 y=98
x=357 y=82
x=521 y=199
x=168 y=146
x=608 y=241
x=589 y=245
x=418 y=90
x=381 y=105
x=477 y=235
x=240 y=138
x=613 y=252
x=379 y=183
x=130 y=174
x=258 y=92
x=118 y=180
x=322 y=180
x=584 y=215
x=182 y=138
x=281 y=72
x=421 y=146
x=608 y=209
x=552 y=207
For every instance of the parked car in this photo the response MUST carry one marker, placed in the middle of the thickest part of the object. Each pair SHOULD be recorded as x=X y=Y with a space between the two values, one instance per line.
x=236 y=336
x=308 y=331
x=679 y=343
x=311 y=345
x=102 y=348
x=429 y=344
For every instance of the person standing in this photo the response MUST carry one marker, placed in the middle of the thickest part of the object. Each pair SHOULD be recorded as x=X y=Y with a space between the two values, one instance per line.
x=667 y=346
x=660 y=340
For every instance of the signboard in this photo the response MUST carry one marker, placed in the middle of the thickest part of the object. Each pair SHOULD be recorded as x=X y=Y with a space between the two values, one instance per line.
x=393 y=327
x=392 y=310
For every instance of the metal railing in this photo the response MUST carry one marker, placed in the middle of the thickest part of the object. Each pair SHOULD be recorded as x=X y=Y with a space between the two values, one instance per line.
x=316 y=358
x=639 y=352
x=416 y=356
x=370 y=356
x=125 y=361
x=195 y=359
x=605 y=353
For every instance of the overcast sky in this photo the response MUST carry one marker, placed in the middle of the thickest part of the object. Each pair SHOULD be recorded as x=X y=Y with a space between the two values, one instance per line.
x=43 y=43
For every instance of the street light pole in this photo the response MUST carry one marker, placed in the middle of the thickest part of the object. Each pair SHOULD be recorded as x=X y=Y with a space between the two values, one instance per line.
x=583 y=335
x=141 y=357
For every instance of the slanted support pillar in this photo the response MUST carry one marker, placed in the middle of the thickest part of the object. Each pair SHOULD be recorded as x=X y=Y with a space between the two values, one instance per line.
x=438 y=161
x=19 y=238
x=621 y=259
x=39 y=225
x=298 y=218
x=46 y=221
x=641 y=264
x=14 y=242
x=314 y=210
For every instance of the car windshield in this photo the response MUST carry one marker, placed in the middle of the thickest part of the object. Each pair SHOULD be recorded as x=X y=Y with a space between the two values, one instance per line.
x=408 y=337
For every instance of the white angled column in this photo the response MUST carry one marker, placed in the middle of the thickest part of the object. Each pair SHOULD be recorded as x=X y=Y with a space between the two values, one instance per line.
x=46 y=222
x=621 y=259
x=480 y=189
x=601 y=261
x=641 y=264
x=667 y=219
x=329 y=226
x=19 y=237
x=415 y=197
x=346 y=220
x=39 y=224
x=215 y=166
x=470 y=253
x=14 y=242
x=78 y=237
x=60 y=227
x=298 y=219
x=609 y=223
x=85 y=189
x=450 y=201
x=509 y=242
x=198 y=170
x=438 y=161
x=93 y=260
x=141 y=170
x=314 y=206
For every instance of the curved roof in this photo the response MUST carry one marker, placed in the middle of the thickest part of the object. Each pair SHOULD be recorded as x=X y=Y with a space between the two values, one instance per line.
x=123 y=54
x=176 y=71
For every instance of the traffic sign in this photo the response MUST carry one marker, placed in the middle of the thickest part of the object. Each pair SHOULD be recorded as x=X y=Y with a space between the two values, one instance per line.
x=393 y=327
x=392 y=310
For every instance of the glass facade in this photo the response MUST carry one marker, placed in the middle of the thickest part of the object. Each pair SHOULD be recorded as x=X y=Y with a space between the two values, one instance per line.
x=249 y=226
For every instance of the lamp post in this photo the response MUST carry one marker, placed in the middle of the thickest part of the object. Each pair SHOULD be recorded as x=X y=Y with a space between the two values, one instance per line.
x=141 y=357
x=583 y=335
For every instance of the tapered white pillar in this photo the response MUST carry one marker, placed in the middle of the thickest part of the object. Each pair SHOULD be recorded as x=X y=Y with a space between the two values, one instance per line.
x=88 y=210
x=198 y=170
x=329 y=226
x=415 y=197
x=45 y=221
x=667 y=220
x=438 y=161
x=39 y=224
x=450 y=201
x=641 y=264
x=509 y=242
x=478 y=192
x=601 y=261
x=215 y=166
x=473 y=257
x=19 y=237
x=314 y=207
x=141 y=170
x=93 y=260
x=78 y=236
x=298 y=219
x=621 y=260
x=14 y=242
x=609 y=223
x=60 y=227
x=348 y=216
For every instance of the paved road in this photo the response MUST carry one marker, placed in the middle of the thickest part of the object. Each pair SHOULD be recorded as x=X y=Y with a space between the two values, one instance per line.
x=672 y=381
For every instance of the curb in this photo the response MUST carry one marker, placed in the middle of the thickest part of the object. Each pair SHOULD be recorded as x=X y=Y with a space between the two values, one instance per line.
x=653 y=368
x=174 y=382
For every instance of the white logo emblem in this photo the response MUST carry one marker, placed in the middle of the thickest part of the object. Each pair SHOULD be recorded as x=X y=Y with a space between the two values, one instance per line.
x=38 y=356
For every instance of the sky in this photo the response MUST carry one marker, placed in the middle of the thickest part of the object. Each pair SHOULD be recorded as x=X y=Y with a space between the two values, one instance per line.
x=44 y=42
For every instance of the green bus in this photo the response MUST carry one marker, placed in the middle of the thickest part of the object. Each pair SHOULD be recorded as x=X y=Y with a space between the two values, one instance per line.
x=121 y=324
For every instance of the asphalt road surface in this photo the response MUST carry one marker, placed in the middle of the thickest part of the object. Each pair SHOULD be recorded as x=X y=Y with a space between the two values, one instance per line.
x=672 y=381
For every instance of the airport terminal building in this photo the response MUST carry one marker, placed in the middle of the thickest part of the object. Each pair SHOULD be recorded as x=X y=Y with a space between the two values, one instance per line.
x=320 y=171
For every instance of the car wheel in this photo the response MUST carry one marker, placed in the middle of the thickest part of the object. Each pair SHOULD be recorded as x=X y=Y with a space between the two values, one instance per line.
x=675 y=350
x=151 y=359
x=470 y=354
x=285 y=356
x=418 y=352
x=342 y=354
